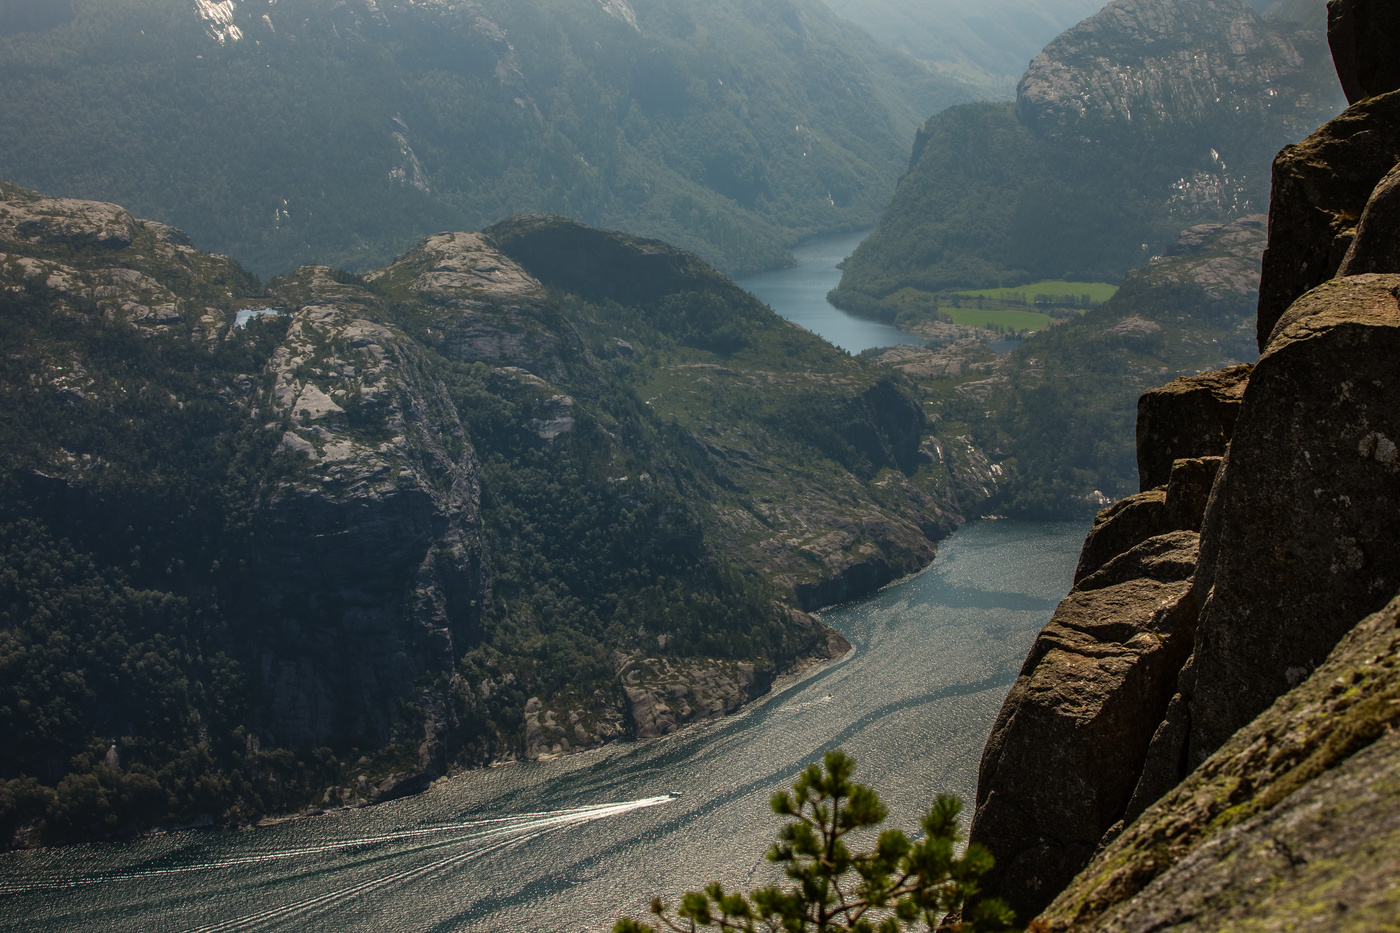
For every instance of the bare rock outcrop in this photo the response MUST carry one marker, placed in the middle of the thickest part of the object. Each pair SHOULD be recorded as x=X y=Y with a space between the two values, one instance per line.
x=1362 y=36
x=1300 y=537
x=1067 y=748
x=1193 y=416
x=1377 y=244
x=1221 y=259
x=1145 y=66
x=1188 y=491
x=1295 y=819
x=95 y=258
x=370 y=554
x=1321 y=187
x=664 y=694
x=77 y=223
x=1121 y=527
x=480 y=305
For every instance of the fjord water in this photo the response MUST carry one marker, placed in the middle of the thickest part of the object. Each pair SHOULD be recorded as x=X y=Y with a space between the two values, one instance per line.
x=567 y=845
x=799 y=294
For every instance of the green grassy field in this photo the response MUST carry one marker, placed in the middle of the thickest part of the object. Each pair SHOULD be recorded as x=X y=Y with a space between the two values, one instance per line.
x=1097 y=291
x=1011 y=320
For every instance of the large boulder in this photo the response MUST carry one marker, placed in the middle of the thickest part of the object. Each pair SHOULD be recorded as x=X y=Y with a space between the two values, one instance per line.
x=1300 y=533
x=1067 y=748
x=1188 y=492
x=1377 y=244
x=1306 y=798
x=1320 y=189
x=1121 y=527
x=1189 y=417
x=1363 y=34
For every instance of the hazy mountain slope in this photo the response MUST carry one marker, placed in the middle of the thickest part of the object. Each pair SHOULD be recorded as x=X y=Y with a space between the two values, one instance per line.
x=343 y=131
x=512 y=495
x=1148 y=117
x=985 y=43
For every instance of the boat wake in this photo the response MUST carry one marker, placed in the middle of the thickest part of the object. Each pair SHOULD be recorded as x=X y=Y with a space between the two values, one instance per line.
x=458 y=843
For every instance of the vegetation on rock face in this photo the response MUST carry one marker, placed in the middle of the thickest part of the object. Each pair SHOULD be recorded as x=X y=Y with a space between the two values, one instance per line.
x=306 y=130
x=1056 y=414
x=410 y=522
x=900 y=884
x=1123 y=133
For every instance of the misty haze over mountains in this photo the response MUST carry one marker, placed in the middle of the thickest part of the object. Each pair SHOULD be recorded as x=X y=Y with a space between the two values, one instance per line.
x=988 y=43
x=300 y=130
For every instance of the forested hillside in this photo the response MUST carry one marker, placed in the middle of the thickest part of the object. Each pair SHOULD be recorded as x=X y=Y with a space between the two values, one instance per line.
x=316 y=543
x=1055 y=417
x=1151 y=116
x=287 y=131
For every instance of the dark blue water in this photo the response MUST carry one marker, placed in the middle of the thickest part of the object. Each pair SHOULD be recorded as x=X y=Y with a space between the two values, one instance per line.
x=799 y=294
x=568 y=845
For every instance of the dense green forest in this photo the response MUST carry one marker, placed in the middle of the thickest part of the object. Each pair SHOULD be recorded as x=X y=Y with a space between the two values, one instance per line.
x=341 y=132
x=1083 y=179
x=400 y=524
x=1058 y=413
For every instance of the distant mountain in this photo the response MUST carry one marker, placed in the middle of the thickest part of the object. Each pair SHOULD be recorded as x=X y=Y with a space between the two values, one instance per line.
x=984 y=43
x=515 y=494
x=341 y=131
x=1149 y=116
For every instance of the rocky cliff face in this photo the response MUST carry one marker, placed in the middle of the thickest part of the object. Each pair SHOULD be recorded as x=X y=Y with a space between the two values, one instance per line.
x=1223 y=804
x=1292 y=822
x=1149 y=69
x=371 y=554
x=1147 y=117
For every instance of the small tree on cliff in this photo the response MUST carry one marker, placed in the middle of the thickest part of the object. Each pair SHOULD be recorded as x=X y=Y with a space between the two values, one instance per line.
x=897 y=886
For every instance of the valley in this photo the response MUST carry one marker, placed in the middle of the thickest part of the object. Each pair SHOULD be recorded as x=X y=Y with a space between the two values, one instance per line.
x=515 y=495
x=358 y=575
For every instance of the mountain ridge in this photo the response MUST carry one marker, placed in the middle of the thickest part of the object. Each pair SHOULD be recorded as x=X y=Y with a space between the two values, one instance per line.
x=313 y=544
x=312 y=131
x=1050 y=193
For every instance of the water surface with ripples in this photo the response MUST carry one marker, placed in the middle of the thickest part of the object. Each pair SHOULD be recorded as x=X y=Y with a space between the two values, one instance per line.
x=567 y=845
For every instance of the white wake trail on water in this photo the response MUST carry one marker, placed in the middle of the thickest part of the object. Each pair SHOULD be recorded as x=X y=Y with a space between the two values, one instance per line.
x=507 y=832
x=518 y=831
x=518 y=828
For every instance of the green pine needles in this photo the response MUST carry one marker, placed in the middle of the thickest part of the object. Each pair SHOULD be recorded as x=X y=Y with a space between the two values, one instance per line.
x=900 y=885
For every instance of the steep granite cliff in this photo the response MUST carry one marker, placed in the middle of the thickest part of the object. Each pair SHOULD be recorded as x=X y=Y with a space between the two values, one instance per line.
x=1249 y=785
